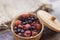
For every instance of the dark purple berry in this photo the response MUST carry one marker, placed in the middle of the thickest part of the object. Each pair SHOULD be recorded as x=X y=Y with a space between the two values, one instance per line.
x=15 y=28
x=22 y=34
x=32 y=28
x=22 y=31
x=19 y=30
x=30 y=21
x=24 y=23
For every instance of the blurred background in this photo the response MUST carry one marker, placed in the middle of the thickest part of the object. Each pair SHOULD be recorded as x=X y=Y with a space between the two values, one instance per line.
x=10 y=8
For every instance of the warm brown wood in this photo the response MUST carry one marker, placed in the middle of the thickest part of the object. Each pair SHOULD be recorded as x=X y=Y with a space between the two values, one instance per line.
x=53 y=18
x=45 y=17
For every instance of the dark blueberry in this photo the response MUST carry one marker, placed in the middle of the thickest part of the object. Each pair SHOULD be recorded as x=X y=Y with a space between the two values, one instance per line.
x=32 y=28
x=22 y=31
x=26 y=19
x=34 y=33
x=30 y=21
x=27 y=33
x=24 y=23
x=19 y=30
x=22 y=19
x=15 y=28
x=27 y=22
x=22 y=34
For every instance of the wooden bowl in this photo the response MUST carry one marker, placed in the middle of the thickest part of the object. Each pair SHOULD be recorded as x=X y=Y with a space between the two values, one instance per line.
x=17 y=37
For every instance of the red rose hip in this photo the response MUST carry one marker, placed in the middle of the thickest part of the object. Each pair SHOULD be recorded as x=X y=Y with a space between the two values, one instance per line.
x=25 y=15
x=27 y=33
x=38 y=26
x=27 y=26
x=17 y=22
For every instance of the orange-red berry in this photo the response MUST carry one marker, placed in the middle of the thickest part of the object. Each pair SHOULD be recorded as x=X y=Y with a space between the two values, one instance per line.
x=17 y=22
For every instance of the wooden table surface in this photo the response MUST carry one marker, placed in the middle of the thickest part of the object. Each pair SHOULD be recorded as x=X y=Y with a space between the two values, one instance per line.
x=12 y=6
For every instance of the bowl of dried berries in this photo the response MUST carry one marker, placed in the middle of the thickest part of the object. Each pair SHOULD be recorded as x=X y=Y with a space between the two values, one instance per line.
x=27 y=26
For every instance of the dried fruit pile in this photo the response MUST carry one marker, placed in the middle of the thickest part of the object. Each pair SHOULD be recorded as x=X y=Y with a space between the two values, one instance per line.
x=27 y=25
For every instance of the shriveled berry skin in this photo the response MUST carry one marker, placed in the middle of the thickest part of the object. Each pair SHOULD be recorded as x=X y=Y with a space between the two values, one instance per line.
x=25 y=15
x=17 y=22
x=27 y=33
